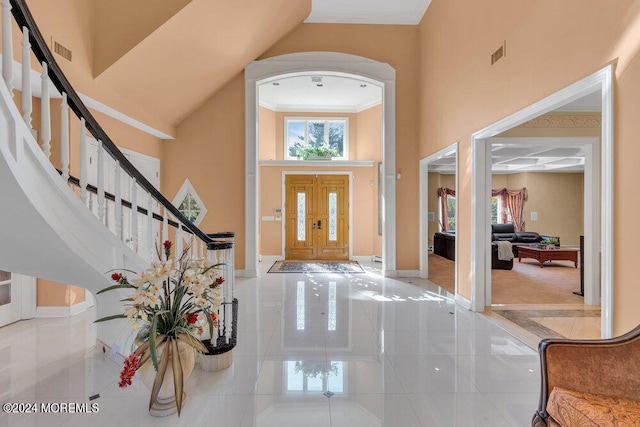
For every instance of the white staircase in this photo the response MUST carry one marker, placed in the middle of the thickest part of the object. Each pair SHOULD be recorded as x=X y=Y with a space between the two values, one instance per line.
x=49 y=231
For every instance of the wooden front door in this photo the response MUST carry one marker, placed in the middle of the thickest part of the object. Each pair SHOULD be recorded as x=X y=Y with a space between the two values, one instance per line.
x=317 y=217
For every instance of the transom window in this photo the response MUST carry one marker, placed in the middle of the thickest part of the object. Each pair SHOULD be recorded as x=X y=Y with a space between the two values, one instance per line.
x=300 y=132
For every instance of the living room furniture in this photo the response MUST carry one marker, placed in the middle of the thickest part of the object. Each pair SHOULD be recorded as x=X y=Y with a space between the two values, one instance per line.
x=444 y=244
x=590 y=382
x=517 y=238
x=497 y=263
x=543 y=255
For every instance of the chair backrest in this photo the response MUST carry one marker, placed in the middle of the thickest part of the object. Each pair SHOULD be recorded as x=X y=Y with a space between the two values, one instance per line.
x=503 y=228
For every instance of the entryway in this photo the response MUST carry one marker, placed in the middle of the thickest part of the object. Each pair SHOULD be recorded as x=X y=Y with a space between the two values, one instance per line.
x=317 y=217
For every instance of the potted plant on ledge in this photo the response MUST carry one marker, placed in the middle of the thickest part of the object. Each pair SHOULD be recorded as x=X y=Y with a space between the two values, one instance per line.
x=322 y=151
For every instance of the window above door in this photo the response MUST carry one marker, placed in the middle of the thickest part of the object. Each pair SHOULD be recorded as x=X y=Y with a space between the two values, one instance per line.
x=302 y=131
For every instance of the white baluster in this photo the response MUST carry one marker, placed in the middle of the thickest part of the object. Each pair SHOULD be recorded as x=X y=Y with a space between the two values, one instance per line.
x=134 y=214
x=26 y=77
x=118 y=201
x=165 y=227
x=178 y=243
x=100 y=182
x=192 y=246
x=45 y=111
x=7 y=46
x=64 y=137
x=83 y=161
x=150 y=226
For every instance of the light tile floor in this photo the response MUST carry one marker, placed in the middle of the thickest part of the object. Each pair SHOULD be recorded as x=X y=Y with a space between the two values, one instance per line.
x=392 y=353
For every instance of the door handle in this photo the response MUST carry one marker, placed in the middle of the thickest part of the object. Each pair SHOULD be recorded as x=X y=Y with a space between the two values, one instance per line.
x=319 y=224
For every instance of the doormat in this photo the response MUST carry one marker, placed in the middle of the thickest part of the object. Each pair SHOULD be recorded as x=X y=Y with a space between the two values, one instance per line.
x=316 y=267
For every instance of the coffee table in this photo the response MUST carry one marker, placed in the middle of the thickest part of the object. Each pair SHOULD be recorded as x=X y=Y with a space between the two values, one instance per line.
x=542 y=254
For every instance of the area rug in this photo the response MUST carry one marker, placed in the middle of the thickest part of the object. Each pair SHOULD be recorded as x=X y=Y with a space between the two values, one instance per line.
x=534 y=320
x=316 y=267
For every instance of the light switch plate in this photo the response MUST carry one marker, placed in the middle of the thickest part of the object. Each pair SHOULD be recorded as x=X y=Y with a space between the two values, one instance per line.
x=534 y=216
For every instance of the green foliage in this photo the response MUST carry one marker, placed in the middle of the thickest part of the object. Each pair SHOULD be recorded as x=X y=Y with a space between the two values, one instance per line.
x=323 y=149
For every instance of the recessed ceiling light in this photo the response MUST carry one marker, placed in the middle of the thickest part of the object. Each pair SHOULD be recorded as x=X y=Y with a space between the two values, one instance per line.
x=276 y=84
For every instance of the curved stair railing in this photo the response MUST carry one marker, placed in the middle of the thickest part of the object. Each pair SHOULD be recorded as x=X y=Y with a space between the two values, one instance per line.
x=147 y=211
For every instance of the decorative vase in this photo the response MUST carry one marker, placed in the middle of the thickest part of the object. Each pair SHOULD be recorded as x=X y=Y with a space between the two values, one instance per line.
x=165 y=403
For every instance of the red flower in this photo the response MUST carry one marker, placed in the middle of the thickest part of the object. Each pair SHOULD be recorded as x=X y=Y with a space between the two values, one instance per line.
x=167 y=248
x=220 y=280
x=192 y=318
x=129 y=370
x=116 y=277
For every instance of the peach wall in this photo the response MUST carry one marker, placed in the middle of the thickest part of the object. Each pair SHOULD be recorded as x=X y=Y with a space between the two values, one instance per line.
x=549 y=46
x=217 y=128
x=54 y=294
x=369 y=131
x=209 y=150
x=267 y=134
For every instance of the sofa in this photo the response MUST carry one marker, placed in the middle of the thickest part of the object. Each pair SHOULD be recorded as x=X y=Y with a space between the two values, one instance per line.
x=590 y=382
x=444 y=244
x=517 y=238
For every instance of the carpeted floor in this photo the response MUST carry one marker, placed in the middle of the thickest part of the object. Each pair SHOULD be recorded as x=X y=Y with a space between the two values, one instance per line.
x=316 y=267
x=526 y=283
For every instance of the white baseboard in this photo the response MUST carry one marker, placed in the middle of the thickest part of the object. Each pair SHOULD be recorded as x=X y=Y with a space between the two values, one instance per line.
x=407 y=273
x=376 y=258
x=362 y=258
x=463 y=302
x=270 y=259
x=64 y=311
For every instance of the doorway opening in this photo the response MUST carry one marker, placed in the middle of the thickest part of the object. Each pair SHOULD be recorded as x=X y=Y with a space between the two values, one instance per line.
x=315 y=65
x=438 y=248
x=598 y=174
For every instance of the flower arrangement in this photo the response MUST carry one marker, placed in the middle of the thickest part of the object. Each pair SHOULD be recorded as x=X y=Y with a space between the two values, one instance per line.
x=173 y=303
x=323 y=149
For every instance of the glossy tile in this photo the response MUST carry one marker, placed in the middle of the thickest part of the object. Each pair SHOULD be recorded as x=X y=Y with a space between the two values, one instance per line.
x=313 y=350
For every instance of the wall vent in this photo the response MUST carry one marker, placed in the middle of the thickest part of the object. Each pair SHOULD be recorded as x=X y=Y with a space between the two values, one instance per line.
x=61 y=50
x=499 y=53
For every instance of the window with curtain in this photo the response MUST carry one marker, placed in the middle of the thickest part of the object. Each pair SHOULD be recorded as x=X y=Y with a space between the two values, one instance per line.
x=448 y=203
x=512 y=202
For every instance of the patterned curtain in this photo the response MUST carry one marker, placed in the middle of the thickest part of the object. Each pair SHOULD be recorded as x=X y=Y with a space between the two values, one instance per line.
x=444 y=206
x=513 y=200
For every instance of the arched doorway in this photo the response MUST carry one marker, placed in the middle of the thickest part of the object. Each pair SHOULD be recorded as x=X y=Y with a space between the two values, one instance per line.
x=330 y=63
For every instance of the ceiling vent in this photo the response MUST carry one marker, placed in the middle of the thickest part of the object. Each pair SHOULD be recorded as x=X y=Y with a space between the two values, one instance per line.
x=499 y=53
x=61 y=50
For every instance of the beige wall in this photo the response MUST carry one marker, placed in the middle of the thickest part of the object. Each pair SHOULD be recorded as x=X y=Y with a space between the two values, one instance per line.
x=558 y=199
x=549 y=46
x=365 y=143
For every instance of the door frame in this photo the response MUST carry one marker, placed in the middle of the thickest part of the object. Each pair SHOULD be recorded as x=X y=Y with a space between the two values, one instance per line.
x=23 y=292
x=325 y=63
x=424 y=209
x=284 y=204
x=601 y=80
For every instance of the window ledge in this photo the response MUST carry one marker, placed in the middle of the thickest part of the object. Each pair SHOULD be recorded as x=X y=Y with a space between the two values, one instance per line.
x=316 y=163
